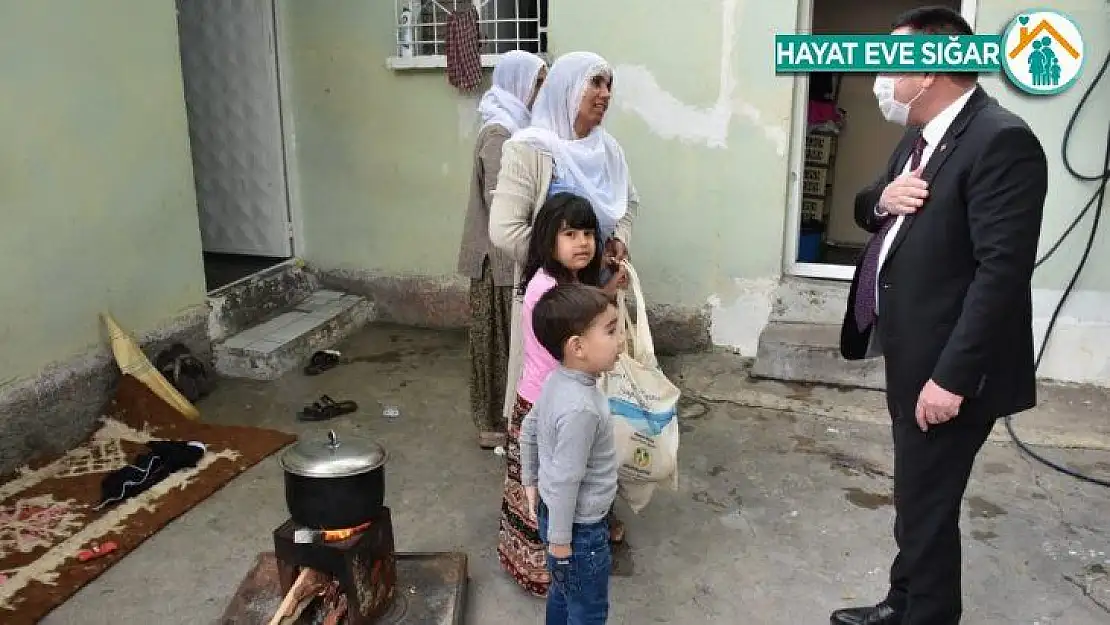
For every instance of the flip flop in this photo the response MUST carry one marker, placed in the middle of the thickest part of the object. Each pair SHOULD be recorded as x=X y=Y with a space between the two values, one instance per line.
x=321 y=361
x=326 y=408
x=97 y=550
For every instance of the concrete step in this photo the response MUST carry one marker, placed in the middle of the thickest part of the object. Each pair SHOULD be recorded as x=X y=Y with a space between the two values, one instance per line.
x=804 y=300
x=285 y=342
x=810 y=352
x=247 y=302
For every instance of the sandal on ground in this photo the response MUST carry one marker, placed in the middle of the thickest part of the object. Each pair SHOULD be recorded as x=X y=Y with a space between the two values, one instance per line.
x=491 y=440
x=326 y=408
x=321 y=361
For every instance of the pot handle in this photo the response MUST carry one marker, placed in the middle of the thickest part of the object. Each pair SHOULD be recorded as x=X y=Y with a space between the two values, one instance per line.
x=333 y=440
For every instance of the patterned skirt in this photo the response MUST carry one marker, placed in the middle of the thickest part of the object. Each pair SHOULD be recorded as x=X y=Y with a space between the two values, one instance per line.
x=519 y=548
x=491 y=313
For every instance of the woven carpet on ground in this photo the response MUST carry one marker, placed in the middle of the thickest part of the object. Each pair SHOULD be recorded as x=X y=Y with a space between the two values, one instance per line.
x=47 y=509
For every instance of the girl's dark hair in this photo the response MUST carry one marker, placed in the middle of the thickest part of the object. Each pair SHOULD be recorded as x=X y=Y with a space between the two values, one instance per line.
x=560 y=211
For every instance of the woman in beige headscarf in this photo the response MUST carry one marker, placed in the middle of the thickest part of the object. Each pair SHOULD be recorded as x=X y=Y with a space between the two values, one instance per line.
x=564 y=150
x=503 y=110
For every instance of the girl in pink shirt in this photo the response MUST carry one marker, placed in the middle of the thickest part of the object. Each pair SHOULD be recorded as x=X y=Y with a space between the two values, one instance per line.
x=563 y=248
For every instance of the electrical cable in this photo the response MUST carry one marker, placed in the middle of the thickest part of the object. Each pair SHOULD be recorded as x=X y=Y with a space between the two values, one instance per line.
x=1098 y=201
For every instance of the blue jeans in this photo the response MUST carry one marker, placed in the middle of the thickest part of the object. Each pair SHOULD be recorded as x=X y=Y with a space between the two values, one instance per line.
x=579 y=591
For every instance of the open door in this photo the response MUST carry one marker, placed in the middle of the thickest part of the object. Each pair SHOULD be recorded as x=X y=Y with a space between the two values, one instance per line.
x=230 y=69
x=839 y=142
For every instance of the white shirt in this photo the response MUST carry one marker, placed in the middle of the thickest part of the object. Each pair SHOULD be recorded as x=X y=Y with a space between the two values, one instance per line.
x=933 y=132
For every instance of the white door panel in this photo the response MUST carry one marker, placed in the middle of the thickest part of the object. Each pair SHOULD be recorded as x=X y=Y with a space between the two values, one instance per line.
x=231 y=93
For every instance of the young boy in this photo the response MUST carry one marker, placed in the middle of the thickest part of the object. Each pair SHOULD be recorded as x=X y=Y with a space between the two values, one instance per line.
x=567 y=449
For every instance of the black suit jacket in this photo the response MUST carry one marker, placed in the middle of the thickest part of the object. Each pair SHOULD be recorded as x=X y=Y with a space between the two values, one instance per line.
x=955 y=302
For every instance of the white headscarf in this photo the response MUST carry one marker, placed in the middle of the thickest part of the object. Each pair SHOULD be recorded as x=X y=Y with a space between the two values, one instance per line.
x=505 y=103
x=593 y=165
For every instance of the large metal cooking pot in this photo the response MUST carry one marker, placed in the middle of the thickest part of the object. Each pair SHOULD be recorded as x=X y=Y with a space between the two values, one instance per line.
x=332 y=484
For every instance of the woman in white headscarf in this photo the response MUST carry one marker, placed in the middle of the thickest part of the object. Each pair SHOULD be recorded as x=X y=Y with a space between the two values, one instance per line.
x=564 y=150
x=502 y=111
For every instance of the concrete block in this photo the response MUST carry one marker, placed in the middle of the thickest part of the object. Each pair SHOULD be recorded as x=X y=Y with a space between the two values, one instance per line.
x=285 y=343
x=810 y=352
x=300 y=325
x=411 y=300
x=804 y=300
x=265 y=347
x=320 y=300
x=238 y=341
x=243 y=303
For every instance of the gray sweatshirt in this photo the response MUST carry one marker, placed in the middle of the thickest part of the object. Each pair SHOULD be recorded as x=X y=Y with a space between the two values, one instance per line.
x=567 y=445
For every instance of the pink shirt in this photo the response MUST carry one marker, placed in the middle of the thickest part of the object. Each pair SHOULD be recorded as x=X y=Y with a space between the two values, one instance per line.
x=538 y=363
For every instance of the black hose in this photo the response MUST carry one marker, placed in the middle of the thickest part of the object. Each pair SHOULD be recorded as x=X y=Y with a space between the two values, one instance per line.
x=1098 y=201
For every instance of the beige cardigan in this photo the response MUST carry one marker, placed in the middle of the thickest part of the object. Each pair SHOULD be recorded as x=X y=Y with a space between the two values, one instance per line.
x=521 y=190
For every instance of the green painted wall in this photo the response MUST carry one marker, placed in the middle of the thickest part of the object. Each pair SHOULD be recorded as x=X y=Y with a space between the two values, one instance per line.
x=1048 y=115
x=96 y=185
x=710 y=214
x=383 y=167
x=384 y=157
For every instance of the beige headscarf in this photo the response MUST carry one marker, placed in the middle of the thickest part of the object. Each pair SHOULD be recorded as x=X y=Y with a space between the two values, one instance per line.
x=505 y=103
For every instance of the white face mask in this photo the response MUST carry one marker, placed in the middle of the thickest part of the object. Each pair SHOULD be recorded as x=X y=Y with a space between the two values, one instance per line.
x=893 y=110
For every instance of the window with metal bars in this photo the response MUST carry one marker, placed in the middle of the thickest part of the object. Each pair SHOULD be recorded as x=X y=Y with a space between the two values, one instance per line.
x=503 y=25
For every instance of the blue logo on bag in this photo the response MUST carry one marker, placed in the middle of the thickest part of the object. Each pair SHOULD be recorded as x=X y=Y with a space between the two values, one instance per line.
x=645 y=422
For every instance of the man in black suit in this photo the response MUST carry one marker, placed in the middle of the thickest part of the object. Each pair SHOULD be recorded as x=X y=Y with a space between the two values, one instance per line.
x=943 y=293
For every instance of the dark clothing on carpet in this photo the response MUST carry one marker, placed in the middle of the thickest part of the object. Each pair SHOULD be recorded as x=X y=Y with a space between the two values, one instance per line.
x=164 y=458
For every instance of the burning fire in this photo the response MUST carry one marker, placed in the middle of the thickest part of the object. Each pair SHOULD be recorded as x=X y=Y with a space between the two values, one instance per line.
x=342 y=534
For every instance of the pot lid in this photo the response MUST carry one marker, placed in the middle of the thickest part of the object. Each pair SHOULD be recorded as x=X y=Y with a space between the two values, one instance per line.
x=332 y=457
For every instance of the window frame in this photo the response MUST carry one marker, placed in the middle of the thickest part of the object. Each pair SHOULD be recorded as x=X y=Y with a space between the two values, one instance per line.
x=489 y=20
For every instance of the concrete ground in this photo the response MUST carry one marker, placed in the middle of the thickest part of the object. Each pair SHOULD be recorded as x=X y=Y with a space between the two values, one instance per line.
x=780 y=517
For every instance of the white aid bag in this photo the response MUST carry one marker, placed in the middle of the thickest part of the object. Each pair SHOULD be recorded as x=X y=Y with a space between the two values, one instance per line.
x=644 y=406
